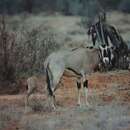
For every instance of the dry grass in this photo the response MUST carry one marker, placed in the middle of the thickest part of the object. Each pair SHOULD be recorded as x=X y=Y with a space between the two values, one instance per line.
x=10 y=111
x=68 y=29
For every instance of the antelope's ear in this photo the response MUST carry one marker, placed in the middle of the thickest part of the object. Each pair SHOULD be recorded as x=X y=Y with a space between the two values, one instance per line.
x=112 y=47
x=100 y=47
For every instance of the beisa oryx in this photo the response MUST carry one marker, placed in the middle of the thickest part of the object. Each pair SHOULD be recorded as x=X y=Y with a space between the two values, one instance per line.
x=82 y=61
x=107 y=57
x=109 y=36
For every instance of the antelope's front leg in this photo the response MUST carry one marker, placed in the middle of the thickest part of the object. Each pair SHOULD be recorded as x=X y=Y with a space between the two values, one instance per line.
x=79 y=93
x=85 y=85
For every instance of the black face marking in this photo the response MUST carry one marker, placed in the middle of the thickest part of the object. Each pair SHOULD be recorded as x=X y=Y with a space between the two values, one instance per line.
x=85 y=84
x=104 y=53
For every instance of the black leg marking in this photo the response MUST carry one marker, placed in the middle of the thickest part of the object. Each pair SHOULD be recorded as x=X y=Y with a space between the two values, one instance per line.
x=78 y=84
x=85 y=84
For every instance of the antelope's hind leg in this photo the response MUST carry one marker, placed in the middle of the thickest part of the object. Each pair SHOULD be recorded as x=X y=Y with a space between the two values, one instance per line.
x=29 y=92
x=52 y=102
x=54 y=79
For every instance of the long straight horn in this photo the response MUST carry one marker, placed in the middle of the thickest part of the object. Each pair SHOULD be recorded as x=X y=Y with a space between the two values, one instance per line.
x=99 y=39
x=102 y=32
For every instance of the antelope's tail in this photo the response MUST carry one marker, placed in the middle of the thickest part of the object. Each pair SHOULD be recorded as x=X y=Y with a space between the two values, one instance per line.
x=49 y=80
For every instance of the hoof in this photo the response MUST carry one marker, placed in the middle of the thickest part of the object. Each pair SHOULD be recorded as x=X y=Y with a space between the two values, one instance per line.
x=27 y=110
x=79 y=105
x=54 y=108
x=88 y=104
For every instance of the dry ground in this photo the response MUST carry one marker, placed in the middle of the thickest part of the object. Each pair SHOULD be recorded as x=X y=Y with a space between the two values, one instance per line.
x=109 y=95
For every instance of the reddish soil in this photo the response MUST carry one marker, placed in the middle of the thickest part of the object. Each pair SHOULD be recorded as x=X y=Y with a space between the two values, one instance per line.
x=104 y=88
